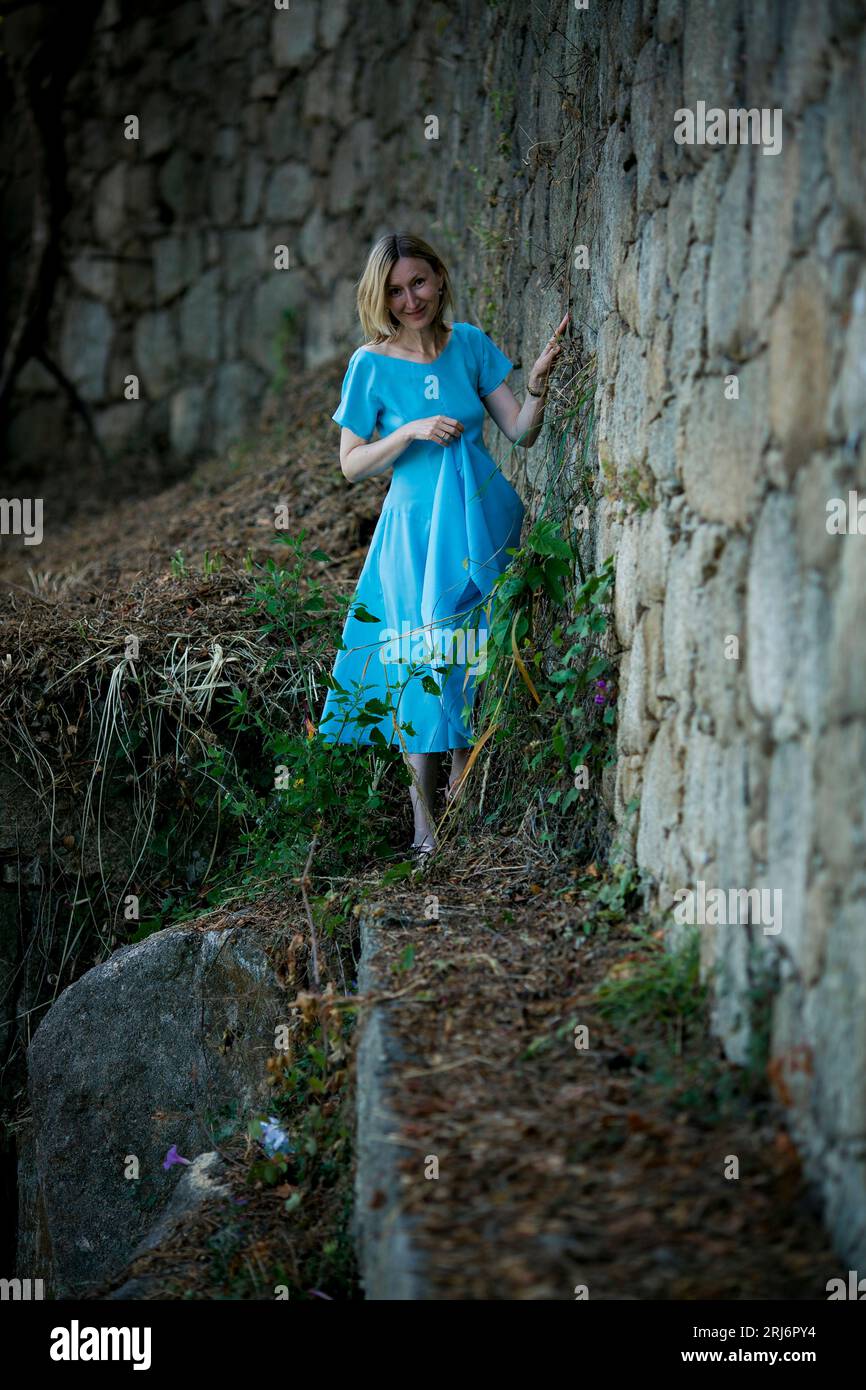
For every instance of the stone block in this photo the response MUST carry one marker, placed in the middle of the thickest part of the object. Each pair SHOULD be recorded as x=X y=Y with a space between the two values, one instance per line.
x=293 y=36
x=845 y=132
x=239 y=390
x=127 y=1061
x=177 y=262
x=186 y=419
x=288 y=193
x=255 y=171
x=721 y=444
x=156 y=353
x=799 y=365
x=728 y=326
x=653 y=553
x=848 y=399
x=772 y=605
x=790 y=818
x=846 y=675
x=772 y=231
x=353 y=164
x=265 y=323
x=200 y=320
x=109 y=206
x=95 y=272
x=689 y=329
x=85 y=343
x=719 y=615
x=661 y=798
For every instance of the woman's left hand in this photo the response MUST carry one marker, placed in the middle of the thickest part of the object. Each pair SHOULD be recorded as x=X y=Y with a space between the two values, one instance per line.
x=537 y=380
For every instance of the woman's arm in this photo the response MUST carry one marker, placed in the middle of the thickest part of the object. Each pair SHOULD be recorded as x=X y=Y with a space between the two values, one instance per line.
x=522 y=423
x=519 y=423
x=359 y=459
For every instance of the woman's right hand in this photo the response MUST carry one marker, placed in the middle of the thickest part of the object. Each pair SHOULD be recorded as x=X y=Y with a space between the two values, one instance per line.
x=437 y=429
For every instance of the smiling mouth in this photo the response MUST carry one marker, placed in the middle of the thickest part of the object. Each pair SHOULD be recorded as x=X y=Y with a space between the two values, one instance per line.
x=415 y=313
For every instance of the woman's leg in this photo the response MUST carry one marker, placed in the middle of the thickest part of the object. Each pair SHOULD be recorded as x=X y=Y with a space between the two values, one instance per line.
x=459 y=759
x=425 y=767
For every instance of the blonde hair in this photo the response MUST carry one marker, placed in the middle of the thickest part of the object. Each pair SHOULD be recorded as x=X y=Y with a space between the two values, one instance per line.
x=377 y=321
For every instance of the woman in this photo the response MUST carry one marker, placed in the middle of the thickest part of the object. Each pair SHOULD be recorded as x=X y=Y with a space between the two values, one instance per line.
x=447 y=521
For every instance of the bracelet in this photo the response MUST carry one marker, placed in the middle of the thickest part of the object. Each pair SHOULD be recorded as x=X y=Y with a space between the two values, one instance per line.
x=538 y=394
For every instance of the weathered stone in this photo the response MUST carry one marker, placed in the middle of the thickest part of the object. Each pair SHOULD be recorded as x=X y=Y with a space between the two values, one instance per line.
x=293 y=36
x=177 y=263
x=95 y=272
x=255 y=171
x=626 y=289
x=239 y=388
x=772 y=230
x=847 y=672
x=721 y=445
x=807 y=66
x=227 y=144
x=128 y=1062
x=265 y=85
x=799 y=365
x=266 y=321
x=353 y=166
x=332 y=22
x=224 y=195
x=186 y=419
x=200 y=319
x=85 y=342
x=181 y=185
x=653 y=552
x=661 y=447
x=662 y=793
x=156 y=353
x=846 y=133
x=728 y=327
x=288 y=193
x=281 y=125
x=848 y=401
x=158 y=125
x=109 y=206
x=789 y=842
x=707 y=186
x=772 y=605
x=119 y=425
x=205 y=1180
x=669 y=21
x=246 y=256
x=718 y=617
x=689 y=327
x=710 y=56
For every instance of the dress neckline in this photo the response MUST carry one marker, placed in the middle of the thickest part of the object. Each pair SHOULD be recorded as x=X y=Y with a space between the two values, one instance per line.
x=389 y=357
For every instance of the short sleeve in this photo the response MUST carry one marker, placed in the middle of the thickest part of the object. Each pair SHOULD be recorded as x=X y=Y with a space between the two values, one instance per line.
x=493 y=365
x=359 y=407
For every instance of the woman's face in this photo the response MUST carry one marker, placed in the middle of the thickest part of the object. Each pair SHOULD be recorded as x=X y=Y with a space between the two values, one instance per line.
x=412 y=292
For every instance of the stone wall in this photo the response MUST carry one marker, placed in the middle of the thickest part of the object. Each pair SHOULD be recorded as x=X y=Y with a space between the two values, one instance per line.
x=729 y=291
x=258 y=128
x=725 y=300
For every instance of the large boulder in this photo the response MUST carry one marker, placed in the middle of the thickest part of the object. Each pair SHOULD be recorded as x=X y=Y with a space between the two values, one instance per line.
x=153 y=1049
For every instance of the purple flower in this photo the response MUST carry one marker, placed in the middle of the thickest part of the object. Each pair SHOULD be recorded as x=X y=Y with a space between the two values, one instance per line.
x=603 y=691
x=173 y=1157
x=274 y=1139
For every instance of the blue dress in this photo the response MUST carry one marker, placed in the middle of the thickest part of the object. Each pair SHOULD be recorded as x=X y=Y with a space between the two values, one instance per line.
x=415 y=635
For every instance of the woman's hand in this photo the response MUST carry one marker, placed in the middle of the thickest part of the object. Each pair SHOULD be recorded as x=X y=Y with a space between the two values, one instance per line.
x=439 y=429
x=538 y=373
